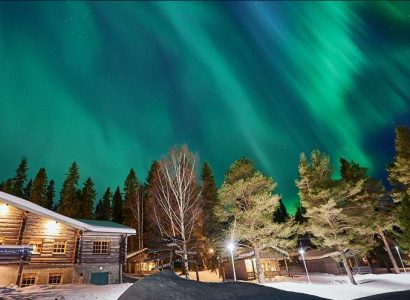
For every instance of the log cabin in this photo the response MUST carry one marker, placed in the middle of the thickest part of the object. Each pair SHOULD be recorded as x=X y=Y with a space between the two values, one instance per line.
x=40 y=246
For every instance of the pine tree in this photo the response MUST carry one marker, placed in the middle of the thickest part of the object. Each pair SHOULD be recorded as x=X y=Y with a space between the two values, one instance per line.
x=88 y=195
x=99 y=211
x=151 y=234
x=247 y=199
x=281 y=214
x=404 y=220
x=38 y=193
x=68 y=196
x=299 y=215
x=323 y=198
x=19 y=179
x=399 y=170
x=50 y=195
x=106 y=205
x=117 y=207
x=27 y=190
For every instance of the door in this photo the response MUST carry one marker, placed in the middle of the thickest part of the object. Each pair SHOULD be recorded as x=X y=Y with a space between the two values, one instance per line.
x=99 y=278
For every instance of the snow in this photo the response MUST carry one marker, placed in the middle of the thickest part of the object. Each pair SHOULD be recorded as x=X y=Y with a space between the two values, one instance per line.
x=68 y=291
x=339 y=288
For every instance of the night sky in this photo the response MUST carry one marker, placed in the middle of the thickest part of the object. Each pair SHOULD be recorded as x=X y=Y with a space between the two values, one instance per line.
x=115 y=85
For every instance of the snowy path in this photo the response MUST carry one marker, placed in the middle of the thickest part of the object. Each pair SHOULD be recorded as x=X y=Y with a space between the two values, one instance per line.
x=339 y=288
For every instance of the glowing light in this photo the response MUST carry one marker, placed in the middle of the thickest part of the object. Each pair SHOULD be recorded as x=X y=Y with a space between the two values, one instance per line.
x=52 y=227
x=301 y=251
x=231 y=246
x=211 y=251
x=4 y=209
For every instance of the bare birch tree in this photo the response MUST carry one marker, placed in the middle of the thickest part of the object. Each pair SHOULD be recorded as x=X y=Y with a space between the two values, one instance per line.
x=177 y=207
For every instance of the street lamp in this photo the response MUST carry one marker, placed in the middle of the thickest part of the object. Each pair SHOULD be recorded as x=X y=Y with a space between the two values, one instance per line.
x=231 y=247
x=301 y=252
x=398 y=252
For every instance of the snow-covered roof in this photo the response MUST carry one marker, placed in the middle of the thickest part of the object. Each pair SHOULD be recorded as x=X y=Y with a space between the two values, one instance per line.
x=82 y=225
x=132 y=254
x=314 y=254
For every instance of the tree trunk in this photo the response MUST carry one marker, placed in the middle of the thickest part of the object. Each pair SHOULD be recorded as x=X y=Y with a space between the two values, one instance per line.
x=387 y=246
x=259 y=270
x=347 y=268
x=186 y=266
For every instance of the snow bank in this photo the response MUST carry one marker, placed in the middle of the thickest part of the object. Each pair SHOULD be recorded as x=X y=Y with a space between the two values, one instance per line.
x=339 y=287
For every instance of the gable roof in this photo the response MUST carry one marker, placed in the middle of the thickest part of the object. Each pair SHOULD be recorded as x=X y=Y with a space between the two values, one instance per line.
x=85 y=225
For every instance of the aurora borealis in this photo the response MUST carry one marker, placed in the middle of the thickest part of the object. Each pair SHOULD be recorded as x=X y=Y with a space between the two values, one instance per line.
x=115 y=85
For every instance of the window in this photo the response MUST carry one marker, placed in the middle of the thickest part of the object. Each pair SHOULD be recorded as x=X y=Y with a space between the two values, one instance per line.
x=101 y=247
x=1 y=241
x=37 y=246
x=28 y=279
x=55 y=278
x=59 y=247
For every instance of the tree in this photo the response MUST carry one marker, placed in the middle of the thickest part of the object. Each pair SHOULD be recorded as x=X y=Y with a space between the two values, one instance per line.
x=69 y=205
x=399 y=170
x=117 y=207
x=152 y=235
x=281 y=214
x=7 y=186
x=99 y=211
x=27 y=190
x=247 y=199
x=323 y=199
x=177 y=206
x=134 y=207
x=88 y=195
x=38 y=193
x=50 y=195
x=19 y=179
x=399 y=177
x=106 y=205
x=370 y=211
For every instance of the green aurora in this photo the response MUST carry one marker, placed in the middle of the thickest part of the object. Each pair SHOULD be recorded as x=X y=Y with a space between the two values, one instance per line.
x=115 y=85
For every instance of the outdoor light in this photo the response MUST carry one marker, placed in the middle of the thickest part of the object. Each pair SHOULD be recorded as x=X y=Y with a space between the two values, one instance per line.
x=231 y=247
x=301 y=251
x=211 y=251
x=52 y=226
x=402 y=264
x=4 y=209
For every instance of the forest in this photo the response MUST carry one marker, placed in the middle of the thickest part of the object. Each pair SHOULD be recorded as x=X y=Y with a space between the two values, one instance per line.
x=180 y=203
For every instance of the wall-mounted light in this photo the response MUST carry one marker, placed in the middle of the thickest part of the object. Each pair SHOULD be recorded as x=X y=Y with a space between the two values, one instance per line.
x=52 y=226
x=4 y=209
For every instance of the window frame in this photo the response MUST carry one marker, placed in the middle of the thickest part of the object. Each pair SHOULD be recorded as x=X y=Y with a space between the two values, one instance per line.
x=55 y=274
x=100 y=247
x=65 y=247
x=31 y=276
x=36 y=243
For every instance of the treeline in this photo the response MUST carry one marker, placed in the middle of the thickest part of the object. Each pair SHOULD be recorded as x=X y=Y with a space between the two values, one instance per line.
x=180 y=205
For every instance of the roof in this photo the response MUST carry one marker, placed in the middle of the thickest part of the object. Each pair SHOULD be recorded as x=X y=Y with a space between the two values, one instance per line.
x=319 y=254
x=85 y=225
x=272 y=253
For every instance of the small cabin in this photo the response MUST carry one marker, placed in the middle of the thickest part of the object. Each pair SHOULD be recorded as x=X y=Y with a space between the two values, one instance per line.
x=40 y=246
x=245 y=264
x=147 y=261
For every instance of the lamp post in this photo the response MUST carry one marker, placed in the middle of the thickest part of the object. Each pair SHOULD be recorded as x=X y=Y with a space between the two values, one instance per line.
x=402 y=264
x=301 y=252
x=231 y=247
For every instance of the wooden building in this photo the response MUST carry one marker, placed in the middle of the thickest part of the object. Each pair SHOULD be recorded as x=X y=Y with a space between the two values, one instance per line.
x=147 y=261
x=40 y=246
x=245 y=265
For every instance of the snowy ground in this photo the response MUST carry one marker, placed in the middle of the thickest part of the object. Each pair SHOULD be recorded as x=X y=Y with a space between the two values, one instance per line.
x=68 y=291
x=339 y=288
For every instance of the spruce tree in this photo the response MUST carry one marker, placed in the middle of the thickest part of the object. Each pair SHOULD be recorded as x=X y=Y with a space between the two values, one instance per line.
x=247 y=199
x=38 y=193
x=150 y=229
x=281 y=214
x=68 y=205
x=133 y=213
x=404 y=220
x=399 y=170
x=19 y=179
x=7 y=186
x=99 y=211
x=106 y=205
x=88 y=195
x=324 y=200
x=117 y=207
x=50 y=195
x=27 y=190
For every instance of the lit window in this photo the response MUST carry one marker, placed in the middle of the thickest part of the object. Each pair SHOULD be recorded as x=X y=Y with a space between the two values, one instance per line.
x=101 y=247
x=55 y=278
x=37 y=246
x=59 y=247
x=1 y=241
x=28 y=279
